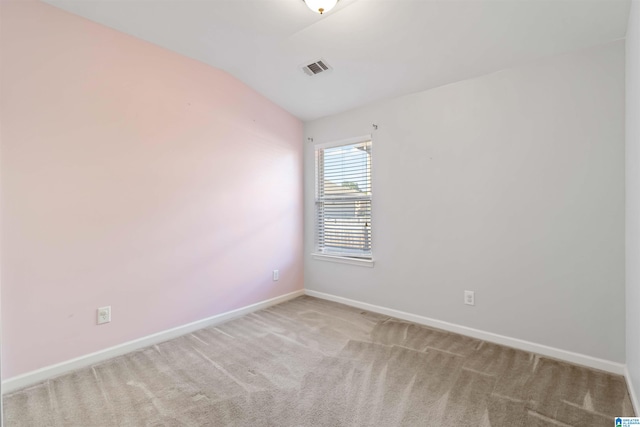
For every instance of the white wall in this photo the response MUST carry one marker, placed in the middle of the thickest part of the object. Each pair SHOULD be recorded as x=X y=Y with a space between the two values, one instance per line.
x=633 y=199
x=511 y=185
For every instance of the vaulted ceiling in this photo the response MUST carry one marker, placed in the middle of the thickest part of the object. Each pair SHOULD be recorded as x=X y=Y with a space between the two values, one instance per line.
x=377 y=48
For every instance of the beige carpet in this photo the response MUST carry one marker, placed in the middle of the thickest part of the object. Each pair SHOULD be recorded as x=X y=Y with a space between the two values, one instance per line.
x=310 y=362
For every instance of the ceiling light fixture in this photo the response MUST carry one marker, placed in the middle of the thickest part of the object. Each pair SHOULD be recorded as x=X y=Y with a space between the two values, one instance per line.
x=320 y=6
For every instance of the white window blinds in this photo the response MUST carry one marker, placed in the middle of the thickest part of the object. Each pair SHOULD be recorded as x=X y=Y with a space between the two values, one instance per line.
x=343 y=200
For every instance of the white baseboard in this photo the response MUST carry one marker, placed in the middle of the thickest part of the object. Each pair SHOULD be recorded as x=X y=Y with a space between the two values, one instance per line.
x=632 y=392
x=52 y=371
x=556 y=353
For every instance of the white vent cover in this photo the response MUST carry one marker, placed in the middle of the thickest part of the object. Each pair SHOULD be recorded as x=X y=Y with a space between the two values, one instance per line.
x=317 y=67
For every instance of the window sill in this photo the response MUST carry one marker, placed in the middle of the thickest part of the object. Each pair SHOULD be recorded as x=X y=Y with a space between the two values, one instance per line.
x=343 y=260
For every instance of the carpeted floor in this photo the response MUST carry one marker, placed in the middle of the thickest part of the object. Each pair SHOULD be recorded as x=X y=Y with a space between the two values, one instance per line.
x=310 y=362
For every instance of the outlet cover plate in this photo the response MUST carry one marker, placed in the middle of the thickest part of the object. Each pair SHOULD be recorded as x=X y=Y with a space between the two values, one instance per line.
x=104 y=315
x=469 y=298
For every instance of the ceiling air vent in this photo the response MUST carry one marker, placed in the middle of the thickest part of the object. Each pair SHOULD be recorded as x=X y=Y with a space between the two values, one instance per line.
x=320 y=66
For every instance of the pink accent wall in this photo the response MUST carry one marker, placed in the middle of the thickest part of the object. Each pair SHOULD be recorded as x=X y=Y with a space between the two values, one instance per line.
x=137 y=178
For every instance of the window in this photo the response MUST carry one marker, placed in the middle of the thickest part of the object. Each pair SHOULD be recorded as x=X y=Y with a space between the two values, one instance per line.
x=343 y=199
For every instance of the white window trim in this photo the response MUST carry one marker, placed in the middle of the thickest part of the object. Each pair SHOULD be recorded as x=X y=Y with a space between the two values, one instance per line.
x=348 y=141
x=343 y=260
x=335 y=258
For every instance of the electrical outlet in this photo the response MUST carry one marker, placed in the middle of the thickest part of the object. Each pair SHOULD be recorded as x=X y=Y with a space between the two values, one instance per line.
x=276 y=275
x=469 y=298
x=104 y=315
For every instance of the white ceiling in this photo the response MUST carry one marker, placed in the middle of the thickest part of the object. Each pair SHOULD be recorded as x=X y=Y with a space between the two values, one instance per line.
x=378 y=48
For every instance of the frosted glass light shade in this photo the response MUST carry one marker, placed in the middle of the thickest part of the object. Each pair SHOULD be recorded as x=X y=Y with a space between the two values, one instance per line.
x=321 y=6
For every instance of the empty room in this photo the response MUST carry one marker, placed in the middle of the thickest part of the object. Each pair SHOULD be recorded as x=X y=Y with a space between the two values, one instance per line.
x=299 y=213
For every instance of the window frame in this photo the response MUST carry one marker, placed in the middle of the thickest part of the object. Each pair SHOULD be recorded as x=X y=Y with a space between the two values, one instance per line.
x=336 y=257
